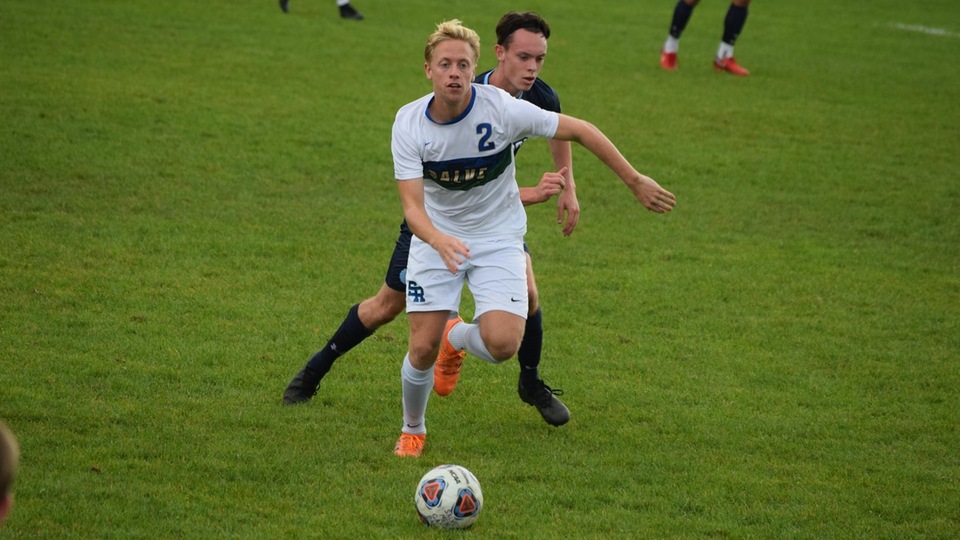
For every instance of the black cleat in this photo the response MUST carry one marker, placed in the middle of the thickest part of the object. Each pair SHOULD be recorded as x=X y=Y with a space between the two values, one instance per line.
x=347 y=12
x=302 y=388
x=285 y=6
x=541 y=396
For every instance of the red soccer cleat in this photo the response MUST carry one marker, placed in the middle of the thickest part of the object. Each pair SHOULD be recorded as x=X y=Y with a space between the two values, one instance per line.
x=668 y=60
x=731 y=66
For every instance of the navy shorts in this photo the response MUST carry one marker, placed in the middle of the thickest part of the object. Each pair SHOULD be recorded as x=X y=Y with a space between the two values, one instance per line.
x=398 y=261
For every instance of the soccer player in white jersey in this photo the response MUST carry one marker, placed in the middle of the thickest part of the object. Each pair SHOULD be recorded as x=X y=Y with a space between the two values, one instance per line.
x=453 y=161
x=521 y=49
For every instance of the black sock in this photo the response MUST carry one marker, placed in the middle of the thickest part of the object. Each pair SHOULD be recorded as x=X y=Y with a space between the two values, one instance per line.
x=531 y=347
x=348 y=336
x=733 y=23
x=681 y=15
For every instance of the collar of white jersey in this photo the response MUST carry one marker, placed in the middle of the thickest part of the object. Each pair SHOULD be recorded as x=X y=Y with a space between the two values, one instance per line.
x=473 y=99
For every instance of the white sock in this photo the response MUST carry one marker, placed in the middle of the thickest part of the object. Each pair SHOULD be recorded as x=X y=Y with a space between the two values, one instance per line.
x=342 y=3
x=725 y=51
x=466 y=336
x=672 y=44
x=416 y=385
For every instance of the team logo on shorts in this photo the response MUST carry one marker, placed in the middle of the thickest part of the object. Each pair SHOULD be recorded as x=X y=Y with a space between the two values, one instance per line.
x=415 y=292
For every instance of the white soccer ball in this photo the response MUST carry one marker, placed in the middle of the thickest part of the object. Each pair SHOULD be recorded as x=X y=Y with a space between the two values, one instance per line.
x=448 y=496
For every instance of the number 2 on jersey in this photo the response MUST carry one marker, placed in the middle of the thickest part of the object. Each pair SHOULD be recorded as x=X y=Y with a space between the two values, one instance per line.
x=485 y=130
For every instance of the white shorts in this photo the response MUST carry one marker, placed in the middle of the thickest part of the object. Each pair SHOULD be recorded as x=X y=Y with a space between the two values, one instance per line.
x=496 y=273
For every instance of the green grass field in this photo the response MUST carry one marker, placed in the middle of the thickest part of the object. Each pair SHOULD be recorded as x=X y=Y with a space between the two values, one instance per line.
x=192 y=194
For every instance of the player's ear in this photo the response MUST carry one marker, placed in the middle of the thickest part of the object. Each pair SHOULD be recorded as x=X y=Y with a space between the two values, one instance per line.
x=426 y=69
x=500 y=51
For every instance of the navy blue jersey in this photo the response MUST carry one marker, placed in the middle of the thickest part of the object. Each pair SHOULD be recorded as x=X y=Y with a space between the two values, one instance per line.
x=541 y=94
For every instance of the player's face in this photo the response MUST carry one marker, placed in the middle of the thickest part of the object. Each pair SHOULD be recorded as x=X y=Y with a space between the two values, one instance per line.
x=521 y=60
x=451 y=69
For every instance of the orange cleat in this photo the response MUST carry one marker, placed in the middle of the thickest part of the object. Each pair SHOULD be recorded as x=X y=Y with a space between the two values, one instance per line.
x=409 y=445
x=668 y=60
x=730 y=66
x=447 y=371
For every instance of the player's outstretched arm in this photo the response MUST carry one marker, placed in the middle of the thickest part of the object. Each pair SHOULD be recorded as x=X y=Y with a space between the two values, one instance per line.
x=451 y=250
x=645 y=189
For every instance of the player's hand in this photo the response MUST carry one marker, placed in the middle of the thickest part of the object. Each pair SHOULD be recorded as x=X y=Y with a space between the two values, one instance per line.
x=568 y=211
x=653 y=197
x=452 y=251
x=551 y=183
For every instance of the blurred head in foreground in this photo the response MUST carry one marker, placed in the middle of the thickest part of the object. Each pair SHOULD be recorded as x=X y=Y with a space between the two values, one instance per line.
x=9 y=466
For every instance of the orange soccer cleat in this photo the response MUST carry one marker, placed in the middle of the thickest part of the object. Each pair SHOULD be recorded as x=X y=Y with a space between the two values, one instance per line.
x=409 y=445
x=731 y=66
x=447 y=371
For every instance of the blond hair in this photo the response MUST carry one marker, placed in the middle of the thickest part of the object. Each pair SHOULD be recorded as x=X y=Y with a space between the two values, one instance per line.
x=452 y=29
x=9 y=460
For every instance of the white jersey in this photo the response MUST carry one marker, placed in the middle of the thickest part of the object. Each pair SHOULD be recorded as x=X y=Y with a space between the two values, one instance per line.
x=469 y=178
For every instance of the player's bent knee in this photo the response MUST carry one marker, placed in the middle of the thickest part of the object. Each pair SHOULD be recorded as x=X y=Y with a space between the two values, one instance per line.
x=502 y=350
x=501 y=333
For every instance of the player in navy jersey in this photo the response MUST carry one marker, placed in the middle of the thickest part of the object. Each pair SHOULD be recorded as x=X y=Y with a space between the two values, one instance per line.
x=520 y=58
x=732 y=26
x=521 y=50
x=347 y=11
x=453 y=153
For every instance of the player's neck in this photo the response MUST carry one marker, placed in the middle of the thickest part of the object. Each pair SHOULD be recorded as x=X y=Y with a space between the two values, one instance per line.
x=443 y=111
x=500 y=81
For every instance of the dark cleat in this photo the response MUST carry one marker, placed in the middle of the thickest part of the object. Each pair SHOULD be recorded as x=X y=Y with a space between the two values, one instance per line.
x=302 y=388
x=347 y=12
x=541 y=396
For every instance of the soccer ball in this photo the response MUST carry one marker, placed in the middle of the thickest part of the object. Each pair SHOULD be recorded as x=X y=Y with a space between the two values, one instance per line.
x=448 y=496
